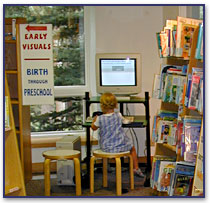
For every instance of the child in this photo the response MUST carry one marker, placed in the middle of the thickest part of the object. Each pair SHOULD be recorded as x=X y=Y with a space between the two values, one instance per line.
x=112 y=137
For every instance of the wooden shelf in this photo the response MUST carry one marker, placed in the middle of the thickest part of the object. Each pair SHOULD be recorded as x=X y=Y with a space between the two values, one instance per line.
x=10 y=41
x=14 y=101
x=10 y=190
x=11 y=71
x=172 y=148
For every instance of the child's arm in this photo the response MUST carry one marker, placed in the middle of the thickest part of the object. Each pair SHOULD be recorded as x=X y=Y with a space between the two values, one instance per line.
x=93 y=126
x=124 y=120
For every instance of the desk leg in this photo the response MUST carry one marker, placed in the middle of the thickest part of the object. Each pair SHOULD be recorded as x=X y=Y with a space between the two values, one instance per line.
x=88 y=152
x=47 y=176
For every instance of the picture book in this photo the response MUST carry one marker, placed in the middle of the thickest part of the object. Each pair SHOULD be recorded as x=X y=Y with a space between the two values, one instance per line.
x=180 y=22
x=186 y=39
x=173 y=90
x=164 y=178
x=180 y=88
x=187 y=95
x=172 y=24
x=182 y=185
x=200 y=97
x=164 y=43
x=159 y=45
x=199 y=46
x=167 y=88
x=156 y=87
x=158 y=160
x=171 y=139
x=182 y=178
x=7 y=120
x=194 y=90
x=192 y=135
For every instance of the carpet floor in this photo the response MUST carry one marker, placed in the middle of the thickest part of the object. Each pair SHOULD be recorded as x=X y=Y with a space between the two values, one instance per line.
x=35 y=188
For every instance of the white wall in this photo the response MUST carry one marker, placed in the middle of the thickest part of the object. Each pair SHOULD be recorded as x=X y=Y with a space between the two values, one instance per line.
x=132 y=29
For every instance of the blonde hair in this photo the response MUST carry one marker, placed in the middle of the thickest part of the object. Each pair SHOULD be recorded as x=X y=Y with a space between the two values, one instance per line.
x=108 y=101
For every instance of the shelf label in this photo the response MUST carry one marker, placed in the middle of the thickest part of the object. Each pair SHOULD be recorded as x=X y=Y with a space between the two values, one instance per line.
x=36 y=64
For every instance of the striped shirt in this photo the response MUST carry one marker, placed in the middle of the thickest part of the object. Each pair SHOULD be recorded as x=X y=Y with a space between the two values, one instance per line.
x=112 y=137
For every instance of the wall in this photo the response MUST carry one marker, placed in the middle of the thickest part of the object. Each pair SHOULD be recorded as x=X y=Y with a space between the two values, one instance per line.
x=132 y=29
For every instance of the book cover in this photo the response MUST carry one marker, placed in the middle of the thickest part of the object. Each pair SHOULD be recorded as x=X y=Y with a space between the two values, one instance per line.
x=187 y=95
x=159 y=45
x=164 y=44
x=182 y=179
x=158 y=159
x=173 y=91
x=199 y=46
x=167 y=88
x=164 y=179
x=180 y=22
x=156 y=87
x=183 y=185
x=186 y=39
x=180 y=89
x=193 y=98
x=192 y=135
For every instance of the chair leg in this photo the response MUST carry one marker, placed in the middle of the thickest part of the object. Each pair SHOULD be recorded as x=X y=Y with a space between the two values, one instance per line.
x=118 y=177
x=92 y=159
x=105 y=172
x=77 y=176
x=131 y=173
x=47 y=177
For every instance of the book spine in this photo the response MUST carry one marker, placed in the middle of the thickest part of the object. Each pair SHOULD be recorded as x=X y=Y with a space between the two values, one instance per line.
x=199 y=42
x=14 y=29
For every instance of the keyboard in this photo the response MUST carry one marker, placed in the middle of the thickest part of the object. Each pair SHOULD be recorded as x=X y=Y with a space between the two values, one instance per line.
x=130 y=118
x=89 y=119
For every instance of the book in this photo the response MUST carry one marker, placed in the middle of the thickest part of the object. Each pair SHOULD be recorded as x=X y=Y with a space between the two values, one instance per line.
x=167 y=88
x=182 y=179
x=164 y=179
x=187 y=95
x=156 y=87
x=180 y=89
x=180 y=22
x=174 y=87
x=192 y=135
x=194 y=90
x=7 y=120
x=156 y=168
x=159 y=45
x=199 y=46
x=186 y=39
x=164 y=43
x=172 y=24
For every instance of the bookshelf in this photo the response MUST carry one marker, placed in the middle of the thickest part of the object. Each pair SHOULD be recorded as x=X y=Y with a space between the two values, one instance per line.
x=13 y=175
x=12 y=66
x=166 y=149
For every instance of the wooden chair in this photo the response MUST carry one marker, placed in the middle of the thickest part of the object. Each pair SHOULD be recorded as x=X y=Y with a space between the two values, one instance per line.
x=104 y=155
x=59 y=155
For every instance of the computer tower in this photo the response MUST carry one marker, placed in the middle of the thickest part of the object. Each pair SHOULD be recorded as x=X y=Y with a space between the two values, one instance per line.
x=65 y=168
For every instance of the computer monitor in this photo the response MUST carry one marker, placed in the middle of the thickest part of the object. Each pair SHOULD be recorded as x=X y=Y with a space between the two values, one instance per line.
x=118 y=73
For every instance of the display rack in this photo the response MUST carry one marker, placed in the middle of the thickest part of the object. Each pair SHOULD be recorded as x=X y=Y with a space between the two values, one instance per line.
x=13 y=174
x=166 y=149
x=139 y=122
x=12 y=66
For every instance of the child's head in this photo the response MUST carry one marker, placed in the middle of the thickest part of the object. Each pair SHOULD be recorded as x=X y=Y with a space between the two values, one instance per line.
x=108 y=102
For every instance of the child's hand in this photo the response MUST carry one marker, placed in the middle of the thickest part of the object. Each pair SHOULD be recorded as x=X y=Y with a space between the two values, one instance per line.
x=92 y=125
x=94 y=118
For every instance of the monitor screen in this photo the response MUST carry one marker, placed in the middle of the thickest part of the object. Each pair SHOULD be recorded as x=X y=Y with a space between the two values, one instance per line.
x=118 y=72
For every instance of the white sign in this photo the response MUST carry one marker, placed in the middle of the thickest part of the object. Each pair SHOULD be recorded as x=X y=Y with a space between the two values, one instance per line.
x=37 y=64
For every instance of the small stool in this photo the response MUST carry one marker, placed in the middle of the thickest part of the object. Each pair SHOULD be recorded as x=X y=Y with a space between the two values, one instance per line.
x=57 y=155
x=117 y=156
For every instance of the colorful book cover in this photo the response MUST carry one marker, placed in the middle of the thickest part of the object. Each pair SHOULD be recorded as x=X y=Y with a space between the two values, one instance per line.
x=182 y=178
x=164 y=43
x=164 y=179
x=171 y=139
x=192 y=135
x=194 y=90
x=199 y=46
x=183 y=185
x=159 y=45
x=173 y=91
x=180 y=22
x=158 y=160
x=186 y=39
x=167 y=88
x=189 y=81
x=180 y=89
